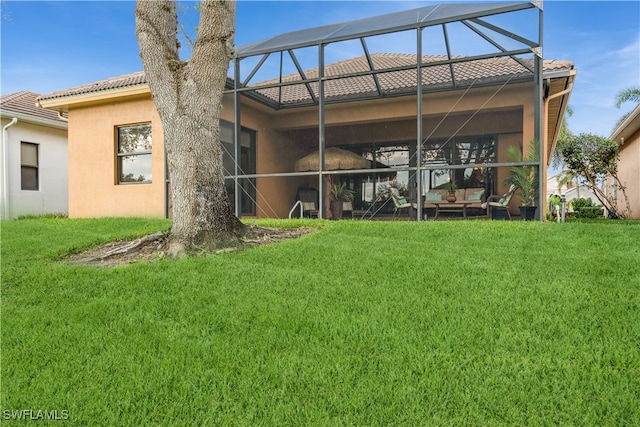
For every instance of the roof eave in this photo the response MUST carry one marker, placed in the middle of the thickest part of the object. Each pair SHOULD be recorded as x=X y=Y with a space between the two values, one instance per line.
x=570 y=76
x=628 y=127
x=28 y=118
x=62 y=103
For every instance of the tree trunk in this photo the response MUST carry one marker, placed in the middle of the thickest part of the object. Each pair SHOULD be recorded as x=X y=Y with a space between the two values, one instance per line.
x=188 y=97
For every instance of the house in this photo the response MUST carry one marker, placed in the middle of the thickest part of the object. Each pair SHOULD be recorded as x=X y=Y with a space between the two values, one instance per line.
x=627 y=136
x=34 y=158
x=420 y=119
x=570 y=190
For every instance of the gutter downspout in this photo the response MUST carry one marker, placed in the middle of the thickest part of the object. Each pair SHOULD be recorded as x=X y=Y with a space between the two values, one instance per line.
x=5 y=173
x=61 y=117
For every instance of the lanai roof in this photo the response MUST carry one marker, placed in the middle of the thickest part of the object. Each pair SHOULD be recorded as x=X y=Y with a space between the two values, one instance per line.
x=483 y=68
x=398 y=21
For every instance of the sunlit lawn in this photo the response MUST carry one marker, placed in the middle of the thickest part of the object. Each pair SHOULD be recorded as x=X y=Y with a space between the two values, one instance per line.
x=361 y=323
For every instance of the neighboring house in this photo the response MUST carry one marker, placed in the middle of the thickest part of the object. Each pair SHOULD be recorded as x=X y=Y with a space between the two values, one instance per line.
x=570 y=191
x=34 y=158
x=627 y=135
x=471 y=109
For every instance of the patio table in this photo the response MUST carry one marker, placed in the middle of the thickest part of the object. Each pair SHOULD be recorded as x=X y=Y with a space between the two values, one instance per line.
x=453 y=207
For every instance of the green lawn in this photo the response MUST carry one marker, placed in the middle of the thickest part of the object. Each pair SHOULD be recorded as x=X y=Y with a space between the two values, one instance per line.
x=362 y=323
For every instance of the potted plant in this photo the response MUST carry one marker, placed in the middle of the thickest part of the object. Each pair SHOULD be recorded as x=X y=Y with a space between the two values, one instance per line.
x=451 y=191
x=525 y=177
x=338 y=194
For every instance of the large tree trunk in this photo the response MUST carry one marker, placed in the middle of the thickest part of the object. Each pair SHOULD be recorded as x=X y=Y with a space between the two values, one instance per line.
x=188 y=97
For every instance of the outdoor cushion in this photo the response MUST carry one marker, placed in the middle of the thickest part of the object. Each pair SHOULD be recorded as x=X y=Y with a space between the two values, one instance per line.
x=476 y=196
x=433 y=197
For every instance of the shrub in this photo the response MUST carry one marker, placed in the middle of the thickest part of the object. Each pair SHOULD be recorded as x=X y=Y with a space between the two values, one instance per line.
x=584 y=208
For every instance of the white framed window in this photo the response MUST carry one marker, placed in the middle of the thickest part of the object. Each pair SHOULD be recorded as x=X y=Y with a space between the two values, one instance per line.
x=133 y=154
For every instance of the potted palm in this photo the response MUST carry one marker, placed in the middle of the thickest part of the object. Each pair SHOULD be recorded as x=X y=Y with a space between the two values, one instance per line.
x=525 y=177
x=338 y=194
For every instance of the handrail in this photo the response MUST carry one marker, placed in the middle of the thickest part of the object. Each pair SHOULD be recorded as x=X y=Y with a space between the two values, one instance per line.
x=298 y=203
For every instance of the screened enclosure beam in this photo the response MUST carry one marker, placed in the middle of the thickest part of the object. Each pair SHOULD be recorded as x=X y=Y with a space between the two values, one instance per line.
x=539 y=125
x=371 y=67
x=321 y=131
x=418 y=142
x=496 y=44
x=448 y=46
x=392 y=69
x=304 y=77
x=255 y=69
x=237 y=117
x=504 y=32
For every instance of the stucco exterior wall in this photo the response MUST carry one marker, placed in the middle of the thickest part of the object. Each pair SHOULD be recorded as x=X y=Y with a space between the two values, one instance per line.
x=93 y=188
x=629 y=172
x=52 y=194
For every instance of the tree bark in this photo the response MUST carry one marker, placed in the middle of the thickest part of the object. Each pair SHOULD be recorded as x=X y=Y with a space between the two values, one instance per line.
x=188 y=97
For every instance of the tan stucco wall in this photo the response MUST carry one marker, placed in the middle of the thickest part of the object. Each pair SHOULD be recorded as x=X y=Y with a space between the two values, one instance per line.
x=629 y=172
x=274 y=153
x=93 y=191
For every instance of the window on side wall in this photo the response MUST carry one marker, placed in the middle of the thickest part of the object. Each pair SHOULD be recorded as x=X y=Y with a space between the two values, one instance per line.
x=133 y=157
x=29 y=166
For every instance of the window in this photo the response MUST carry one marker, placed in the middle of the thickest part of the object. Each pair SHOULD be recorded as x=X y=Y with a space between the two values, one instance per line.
x=29 y=166
x=473 y=151
x=133 y=157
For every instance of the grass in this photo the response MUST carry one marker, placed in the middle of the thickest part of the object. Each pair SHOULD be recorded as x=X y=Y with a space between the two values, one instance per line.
x=363 y=323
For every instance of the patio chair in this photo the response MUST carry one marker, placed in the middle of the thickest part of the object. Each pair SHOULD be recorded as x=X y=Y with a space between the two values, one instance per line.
x=500 y=202
x=399 y=203
x=308 y=198
x=309 y=210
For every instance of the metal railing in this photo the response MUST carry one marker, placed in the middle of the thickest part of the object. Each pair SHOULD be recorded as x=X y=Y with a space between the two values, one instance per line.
x=298 y=203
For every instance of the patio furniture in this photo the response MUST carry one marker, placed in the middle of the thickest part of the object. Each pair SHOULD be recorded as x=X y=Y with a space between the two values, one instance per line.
x=309 y=210
x=467 y=199
x=399 y=202
x=308 y=198
x=451 y=207
x=349 y=211
x=500 y=202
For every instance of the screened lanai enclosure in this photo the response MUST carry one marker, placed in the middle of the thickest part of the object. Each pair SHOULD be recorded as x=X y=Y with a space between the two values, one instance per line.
x=426 y=98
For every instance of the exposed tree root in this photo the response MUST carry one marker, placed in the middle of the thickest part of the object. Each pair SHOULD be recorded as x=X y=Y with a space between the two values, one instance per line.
x=156 y=246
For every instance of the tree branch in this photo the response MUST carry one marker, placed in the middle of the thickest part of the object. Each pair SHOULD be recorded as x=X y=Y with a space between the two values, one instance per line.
x=156 y=30
x=220 y=34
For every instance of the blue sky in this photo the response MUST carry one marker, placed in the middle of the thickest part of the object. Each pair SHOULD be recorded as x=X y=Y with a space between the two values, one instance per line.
x=48 y=46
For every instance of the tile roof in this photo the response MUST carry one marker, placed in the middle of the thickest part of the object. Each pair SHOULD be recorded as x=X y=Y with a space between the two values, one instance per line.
x=127 y=80
x=24 y=103
x=482 y=71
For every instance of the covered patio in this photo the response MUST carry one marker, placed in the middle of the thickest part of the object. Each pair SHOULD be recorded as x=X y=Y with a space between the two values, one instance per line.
x=427 y=98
